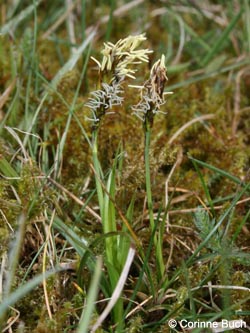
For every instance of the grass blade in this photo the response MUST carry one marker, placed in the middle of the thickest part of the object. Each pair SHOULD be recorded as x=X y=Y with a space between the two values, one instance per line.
x=221 y=40
x=221 y=172
x=12 y=24
x=73 y=59
x=77 y=242
x=208 y=75
x=91 y=298
x=117 y=291
x=22 y=291
x=205 y=187
x=6 y=169
x=247 y=19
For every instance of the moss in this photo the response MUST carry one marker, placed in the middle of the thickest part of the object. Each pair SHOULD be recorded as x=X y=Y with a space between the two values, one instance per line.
x=5 y=65
x=240 y=297
x=10 y=210
x=4 y=240
x=135 y=325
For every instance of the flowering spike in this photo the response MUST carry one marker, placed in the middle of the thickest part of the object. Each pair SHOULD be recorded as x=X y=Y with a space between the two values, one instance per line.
x=152 y=94
x=116 y=64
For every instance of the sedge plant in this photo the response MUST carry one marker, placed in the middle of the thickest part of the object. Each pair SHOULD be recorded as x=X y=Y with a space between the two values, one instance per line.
x=151 y=100
x=117 y=65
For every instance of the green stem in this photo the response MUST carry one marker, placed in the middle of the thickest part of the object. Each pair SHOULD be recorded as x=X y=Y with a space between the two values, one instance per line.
x=157 y=238
x=148 y=180
x=98 y=171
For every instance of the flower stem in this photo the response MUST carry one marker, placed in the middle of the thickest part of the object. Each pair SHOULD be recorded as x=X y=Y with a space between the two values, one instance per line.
x=148 y=180
x=157 y=239
x=98 y=170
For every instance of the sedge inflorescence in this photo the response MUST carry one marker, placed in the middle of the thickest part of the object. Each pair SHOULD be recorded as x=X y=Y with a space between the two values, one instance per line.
x=152 y=93
x=118 y=58
x=104 y=99
x=118 y=63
